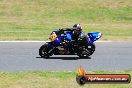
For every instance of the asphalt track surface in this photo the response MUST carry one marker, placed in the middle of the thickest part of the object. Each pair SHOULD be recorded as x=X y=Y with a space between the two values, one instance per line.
x=23 y=56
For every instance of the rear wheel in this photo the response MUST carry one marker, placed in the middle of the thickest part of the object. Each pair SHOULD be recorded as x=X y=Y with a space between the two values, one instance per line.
x=91 y=49
x=86 y=51
x=45 y=50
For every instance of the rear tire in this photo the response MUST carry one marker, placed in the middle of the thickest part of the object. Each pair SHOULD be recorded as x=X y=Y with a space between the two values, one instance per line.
x=87 y=51
x=91 y=49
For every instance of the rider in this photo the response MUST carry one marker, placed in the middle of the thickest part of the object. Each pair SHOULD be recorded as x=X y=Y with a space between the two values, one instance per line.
x=78 y=36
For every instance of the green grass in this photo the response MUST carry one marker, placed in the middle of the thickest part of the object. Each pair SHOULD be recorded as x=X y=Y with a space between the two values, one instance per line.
x=41 y=79
x=35 y=19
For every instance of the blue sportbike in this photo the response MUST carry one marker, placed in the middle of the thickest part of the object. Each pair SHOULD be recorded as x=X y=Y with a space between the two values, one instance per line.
x=63 y=44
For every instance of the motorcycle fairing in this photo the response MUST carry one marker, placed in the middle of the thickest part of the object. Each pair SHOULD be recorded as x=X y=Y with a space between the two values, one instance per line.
x=93 y=36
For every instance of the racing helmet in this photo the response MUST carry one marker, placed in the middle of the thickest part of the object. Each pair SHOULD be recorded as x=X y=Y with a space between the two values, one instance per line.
x=78 y=28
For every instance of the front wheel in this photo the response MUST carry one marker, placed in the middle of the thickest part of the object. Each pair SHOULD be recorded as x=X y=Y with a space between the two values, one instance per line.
x=86 y=51
x=44 y=51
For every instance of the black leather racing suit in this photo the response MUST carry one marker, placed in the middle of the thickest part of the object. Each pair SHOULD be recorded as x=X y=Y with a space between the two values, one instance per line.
x=77 y=38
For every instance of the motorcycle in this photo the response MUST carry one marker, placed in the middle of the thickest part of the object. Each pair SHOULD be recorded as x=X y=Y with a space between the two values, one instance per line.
x=63 y=45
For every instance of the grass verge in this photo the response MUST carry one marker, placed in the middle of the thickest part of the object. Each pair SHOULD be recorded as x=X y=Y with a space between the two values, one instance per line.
x=35 y=19
x=41 y=79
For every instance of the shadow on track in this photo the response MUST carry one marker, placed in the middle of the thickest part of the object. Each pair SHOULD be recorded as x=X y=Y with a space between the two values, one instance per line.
x=67 y=58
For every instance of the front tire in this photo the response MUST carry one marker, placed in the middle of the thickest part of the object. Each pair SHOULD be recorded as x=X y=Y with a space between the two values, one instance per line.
x=44 y=51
